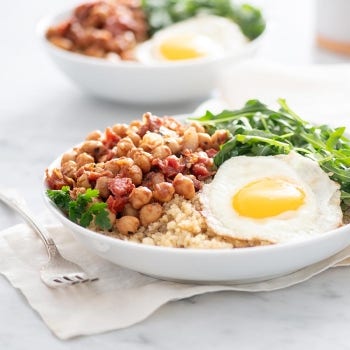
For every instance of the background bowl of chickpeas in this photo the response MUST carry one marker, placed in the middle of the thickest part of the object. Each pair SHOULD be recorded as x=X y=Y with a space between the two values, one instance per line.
x=97 y=51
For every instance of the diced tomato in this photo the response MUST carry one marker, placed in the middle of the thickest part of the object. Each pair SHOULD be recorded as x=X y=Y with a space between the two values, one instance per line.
x=55 y=179
x=197 y=184
x=211 y=152
x=116 y=204
x=153 y=122
x=200 y=171
x=121 y=186
x=111 y=138
x=170 y=166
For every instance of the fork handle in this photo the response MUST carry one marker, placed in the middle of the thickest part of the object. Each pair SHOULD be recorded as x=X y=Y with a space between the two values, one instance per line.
x=21 y=209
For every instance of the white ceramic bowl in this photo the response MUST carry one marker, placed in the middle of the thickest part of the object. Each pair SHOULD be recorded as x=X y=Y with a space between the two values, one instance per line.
x=133 y=82
x=239 y=265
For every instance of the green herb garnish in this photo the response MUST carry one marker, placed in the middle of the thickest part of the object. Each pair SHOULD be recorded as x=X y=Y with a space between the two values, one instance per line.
x=256 y=130
x=82 y=210
x=162 y=13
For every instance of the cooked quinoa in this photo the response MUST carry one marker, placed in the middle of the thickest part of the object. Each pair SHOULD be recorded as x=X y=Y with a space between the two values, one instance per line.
x=183 y=226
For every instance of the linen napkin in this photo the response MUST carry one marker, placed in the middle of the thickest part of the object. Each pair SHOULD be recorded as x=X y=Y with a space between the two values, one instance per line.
x=120 y=298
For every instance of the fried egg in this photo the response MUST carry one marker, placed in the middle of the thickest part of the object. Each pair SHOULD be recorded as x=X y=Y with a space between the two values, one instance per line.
x=198 y=37
x=273 y=198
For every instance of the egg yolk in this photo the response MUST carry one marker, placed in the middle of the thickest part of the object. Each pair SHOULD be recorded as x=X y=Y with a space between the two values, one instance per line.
x=184 y=47
x=267 y=197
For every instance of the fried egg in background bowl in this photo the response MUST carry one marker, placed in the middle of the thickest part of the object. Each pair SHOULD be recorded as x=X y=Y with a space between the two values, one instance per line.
x=275 y=199
x=201 y=37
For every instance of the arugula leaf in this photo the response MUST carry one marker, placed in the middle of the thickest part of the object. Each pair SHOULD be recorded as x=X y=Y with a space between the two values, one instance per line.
x=82 y=210
x=257 y=130
x=162 y=13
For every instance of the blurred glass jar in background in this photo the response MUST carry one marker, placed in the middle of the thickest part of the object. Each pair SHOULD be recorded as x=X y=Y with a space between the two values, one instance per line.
x=333 y=25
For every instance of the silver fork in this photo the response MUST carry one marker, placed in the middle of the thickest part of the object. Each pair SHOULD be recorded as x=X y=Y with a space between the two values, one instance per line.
x=58 y=271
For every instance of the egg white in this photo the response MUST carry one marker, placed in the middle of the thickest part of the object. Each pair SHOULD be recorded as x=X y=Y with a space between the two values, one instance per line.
x=320 y=212
x=220 y=36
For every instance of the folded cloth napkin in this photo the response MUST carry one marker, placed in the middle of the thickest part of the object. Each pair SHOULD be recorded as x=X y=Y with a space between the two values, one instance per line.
x=120 y=298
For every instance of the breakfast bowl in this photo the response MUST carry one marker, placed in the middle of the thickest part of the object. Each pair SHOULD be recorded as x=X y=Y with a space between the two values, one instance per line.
x=187 y=241
x=150 y=81
x=202 y=266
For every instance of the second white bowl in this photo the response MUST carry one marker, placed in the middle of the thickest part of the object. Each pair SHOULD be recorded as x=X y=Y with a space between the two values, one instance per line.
x=134 y=82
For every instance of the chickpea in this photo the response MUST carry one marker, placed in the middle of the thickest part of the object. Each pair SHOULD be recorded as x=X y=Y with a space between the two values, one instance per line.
x=136 y=123
x=161 y=152
x=101 y=36
x=134 y=173
x=163 y=192
x=84 y=158
x=83 y=181
x=120 y=129
x=130 y=210
x=174 y=144
x=142 y=159
x=204 y=140
x=150 y=213
x=198 y=126
x=124 y=146
x=124 y=162
x=63 y=43
x=69 y=169
x=94 y=51
x=173 y=124
x=140 y=196
x=103 y=158
x=190 y=139
x=99 y=167
x=76 y=191
x=102 y=186
x=219 y=137
x=71 y=155
x=135 y=138
x=85 y=168
x=113 y=166
x=151 y=140
x=94 y=135
x=93 y=147
x=184 y=186
x=127 y=224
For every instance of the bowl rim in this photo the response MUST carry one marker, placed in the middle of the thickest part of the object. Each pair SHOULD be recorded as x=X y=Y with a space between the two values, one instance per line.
x=255 y=250
x=44 y=23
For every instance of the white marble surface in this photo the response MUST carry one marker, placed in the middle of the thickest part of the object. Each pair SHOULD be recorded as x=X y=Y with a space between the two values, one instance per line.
x=42 y=114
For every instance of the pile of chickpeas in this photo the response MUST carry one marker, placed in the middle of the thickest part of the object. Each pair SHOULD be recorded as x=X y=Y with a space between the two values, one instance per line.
x=139 y=167
x=102 y=28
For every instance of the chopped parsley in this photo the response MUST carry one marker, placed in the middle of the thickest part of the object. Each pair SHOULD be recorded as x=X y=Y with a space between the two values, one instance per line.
x=83 y=210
